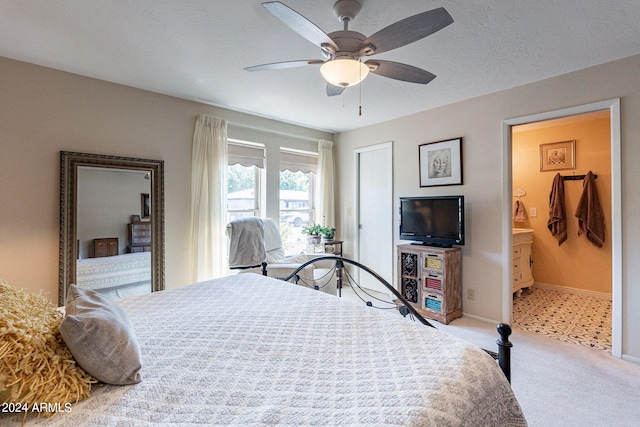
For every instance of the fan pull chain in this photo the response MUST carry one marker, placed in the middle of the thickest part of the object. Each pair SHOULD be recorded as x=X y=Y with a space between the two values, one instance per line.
x=360 y=92
x=360 y=106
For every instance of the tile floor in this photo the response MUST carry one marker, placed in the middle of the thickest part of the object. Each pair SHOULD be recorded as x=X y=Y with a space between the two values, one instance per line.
x=575 y=318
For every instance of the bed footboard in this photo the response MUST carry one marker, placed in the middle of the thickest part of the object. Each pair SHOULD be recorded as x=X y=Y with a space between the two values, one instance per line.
x=502 y=356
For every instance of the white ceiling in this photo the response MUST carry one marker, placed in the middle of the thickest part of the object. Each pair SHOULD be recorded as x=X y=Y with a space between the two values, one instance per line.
x=197 y=50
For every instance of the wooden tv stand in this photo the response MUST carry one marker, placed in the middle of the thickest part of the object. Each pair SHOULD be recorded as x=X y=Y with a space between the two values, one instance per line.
x=429 y=278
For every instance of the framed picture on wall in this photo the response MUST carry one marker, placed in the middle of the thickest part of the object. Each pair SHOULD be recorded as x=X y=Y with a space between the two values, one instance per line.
x=441 y=163
x=557 y=156
x=146 y=205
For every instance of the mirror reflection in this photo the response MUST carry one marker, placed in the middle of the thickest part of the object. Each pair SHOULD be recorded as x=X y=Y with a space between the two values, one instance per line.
x=114 y=231
x=111 y=224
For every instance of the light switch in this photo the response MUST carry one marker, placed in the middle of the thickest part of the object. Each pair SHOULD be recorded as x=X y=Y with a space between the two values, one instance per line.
x=533 y=212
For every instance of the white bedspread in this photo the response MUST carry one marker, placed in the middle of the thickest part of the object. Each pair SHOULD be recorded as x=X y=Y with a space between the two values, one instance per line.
x=106 y=273
x=249 y=350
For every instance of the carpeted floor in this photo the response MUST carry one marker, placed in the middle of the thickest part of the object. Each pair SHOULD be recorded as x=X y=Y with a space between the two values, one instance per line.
x=562 y=384
x=574 y=318
x=557 y=382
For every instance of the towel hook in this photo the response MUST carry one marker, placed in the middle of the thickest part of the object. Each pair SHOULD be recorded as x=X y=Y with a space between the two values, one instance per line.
x=519 y=193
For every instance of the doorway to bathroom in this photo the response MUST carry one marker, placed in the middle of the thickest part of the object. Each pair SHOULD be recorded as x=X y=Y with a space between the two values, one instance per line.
x=576 y=285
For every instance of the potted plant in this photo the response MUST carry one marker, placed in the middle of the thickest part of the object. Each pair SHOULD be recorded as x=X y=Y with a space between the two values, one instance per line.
x=328 y=233
x=313 y=231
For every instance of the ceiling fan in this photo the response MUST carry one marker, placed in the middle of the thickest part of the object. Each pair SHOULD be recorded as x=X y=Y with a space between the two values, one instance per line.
x=345 y=51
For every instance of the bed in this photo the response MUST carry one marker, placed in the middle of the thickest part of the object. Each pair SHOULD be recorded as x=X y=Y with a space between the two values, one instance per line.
x=117 y=276
x=253 y=350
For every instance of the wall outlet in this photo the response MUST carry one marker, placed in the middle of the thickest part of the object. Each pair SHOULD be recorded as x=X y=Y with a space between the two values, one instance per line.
x=533 y=212
x=471 y=294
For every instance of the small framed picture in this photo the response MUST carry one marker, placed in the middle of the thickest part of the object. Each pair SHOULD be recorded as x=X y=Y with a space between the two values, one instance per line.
x=146 y=205
x=558 y=155
x=135 y=218
x=441 y=163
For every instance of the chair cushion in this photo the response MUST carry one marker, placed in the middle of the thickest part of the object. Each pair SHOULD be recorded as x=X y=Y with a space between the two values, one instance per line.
x=292 y=259
x=272 y=239
x=276 y=255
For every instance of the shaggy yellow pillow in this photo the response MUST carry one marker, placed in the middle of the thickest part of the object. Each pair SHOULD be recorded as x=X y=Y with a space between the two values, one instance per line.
x=36 y=367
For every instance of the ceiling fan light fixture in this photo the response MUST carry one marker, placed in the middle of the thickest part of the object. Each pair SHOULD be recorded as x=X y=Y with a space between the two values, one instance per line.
x=344 y=72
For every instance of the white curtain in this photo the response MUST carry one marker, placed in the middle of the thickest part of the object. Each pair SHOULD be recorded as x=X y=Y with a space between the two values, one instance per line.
x=325 y=211
x=208 y=199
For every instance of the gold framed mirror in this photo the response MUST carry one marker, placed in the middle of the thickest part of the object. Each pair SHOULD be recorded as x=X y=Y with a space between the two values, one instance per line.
x=149 y=231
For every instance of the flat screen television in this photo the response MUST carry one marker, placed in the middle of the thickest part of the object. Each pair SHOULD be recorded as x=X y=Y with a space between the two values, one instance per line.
x=432 y=221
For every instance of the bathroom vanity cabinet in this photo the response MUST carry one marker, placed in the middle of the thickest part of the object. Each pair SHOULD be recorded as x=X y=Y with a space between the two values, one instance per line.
x=522 y=259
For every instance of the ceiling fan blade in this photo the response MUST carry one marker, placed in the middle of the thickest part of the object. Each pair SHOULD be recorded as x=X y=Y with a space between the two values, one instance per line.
x=398 y=71
x=406 y=31
x=300 y=24
x=284 y=65
x=334 y=90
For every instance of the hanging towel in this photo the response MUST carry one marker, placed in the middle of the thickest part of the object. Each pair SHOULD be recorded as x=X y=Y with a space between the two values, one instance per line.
x=557 y=223
x=246 y=242
x=589 y=213
x=519 y=212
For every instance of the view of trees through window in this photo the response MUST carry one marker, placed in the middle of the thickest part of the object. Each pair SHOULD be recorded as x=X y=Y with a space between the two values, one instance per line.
x=297 y=181
x=295 y=201
x=243 y=198
x=296 y=208
x=241 y=177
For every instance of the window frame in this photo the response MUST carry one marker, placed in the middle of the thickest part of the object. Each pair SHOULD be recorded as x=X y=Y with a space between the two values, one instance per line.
x=258 y=179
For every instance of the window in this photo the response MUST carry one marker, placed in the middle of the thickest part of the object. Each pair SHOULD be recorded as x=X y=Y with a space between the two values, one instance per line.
x=244 y=175
x=297 y=179
x=243 y=198
x=247 y=189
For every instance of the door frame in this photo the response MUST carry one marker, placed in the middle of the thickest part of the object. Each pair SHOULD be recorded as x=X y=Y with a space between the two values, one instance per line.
x=356 y=220
x=613 y=105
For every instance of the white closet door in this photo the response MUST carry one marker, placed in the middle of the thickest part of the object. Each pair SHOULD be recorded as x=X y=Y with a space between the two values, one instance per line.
x=375 y=213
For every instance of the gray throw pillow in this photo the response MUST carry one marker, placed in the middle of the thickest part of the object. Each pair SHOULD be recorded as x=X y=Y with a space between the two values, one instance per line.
x=101 y=338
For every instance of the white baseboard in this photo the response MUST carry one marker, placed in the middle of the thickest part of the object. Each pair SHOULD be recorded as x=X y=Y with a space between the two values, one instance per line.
x=631 y=358
x=568 y=290
x=481 y=319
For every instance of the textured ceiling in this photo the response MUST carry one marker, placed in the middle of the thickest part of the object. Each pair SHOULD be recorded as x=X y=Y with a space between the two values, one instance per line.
x=197 y=50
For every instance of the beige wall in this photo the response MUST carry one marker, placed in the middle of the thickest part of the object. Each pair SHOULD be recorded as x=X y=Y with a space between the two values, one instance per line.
x=479 y=122
x=106 y=200
x=576 y=263
x=43 y=112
